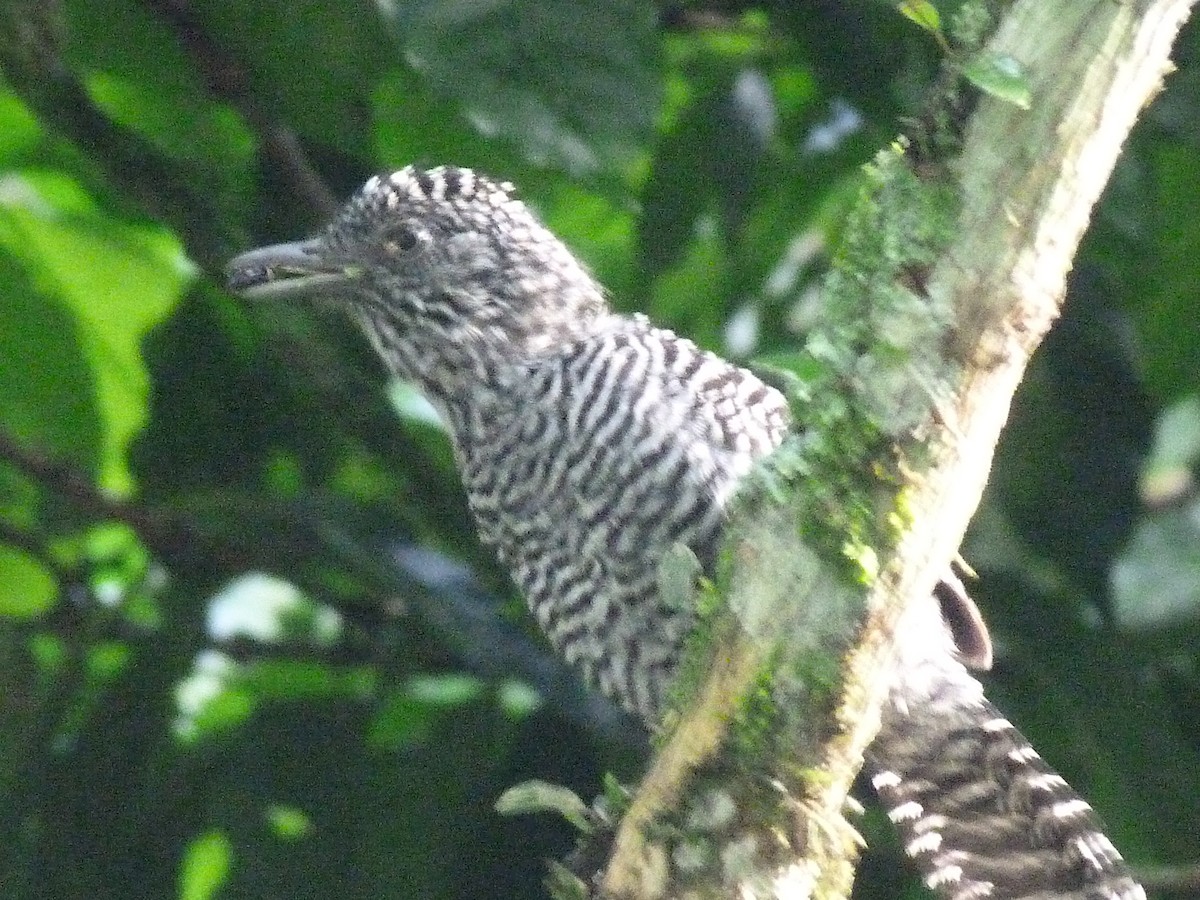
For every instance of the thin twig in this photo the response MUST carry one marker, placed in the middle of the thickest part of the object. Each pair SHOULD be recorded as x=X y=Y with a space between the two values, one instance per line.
x=30 y=544
x=157 y=529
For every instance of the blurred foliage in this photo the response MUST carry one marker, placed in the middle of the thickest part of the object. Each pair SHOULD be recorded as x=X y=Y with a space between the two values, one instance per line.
x=249 y=645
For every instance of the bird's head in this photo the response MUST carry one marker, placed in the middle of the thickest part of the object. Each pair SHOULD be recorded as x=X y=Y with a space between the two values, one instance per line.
x=434 y=260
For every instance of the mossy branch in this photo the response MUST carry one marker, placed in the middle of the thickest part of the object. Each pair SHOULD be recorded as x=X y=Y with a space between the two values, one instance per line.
x=953 y=271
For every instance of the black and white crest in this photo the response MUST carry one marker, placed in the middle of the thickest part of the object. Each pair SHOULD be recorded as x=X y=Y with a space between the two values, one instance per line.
x=460 y=196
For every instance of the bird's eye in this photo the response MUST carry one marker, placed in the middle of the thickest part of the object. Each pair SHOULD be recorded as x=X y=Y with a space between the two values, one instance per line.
x=402 y=239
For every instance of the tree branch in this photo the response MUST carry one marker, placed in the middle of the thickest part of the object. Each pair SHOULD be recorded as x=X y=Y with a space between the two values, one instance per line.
x=1026 y=182
x=227 y=79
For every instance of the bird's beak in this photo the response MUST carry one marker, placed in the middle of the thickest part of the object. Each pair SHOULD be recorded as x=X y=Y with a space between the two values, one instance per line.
x=297 y=270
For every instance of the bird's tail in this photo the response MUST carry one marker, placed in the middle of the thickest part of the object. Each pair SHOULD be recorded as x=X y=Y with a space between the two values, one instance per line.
x=979 y=811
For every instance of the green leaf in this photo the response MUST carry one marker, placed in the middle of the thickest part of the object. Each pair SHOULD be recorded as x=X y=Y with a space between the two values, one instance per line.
x=47 y=389
x=289 y=823
x=518 y=700
x=1156 y=576
x=540 y=796
x=19 y=130
x=564 y=884
x=211 y=699
x=1167 y=472
x=406 y=716
x=50 y=653
x=26 y=588
x=206 y=134
x=923 y=13
x=444 y=690
x=205 y=867
x=106 y=660
x=115 y=280
x=1000 y=75
x=400 y=722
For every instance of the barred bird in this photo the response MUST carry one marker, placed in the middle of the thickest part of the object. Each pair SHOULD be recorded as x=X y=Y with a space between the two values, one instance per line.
x=590 y=443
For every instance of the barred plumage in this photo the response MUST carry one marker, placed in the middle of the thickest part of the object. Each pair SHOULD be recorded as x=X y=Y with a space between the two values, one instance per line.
x=978 y=810
x=591 y=443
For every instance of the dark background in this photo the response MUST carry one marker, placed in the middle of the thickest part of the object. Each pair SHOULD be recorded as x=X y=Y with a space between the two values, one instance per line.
x=249 y=646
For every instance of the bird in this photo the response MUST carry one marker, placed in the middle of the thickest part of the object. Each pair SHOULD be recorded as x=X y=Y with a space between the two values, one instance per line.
x=590 y=443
